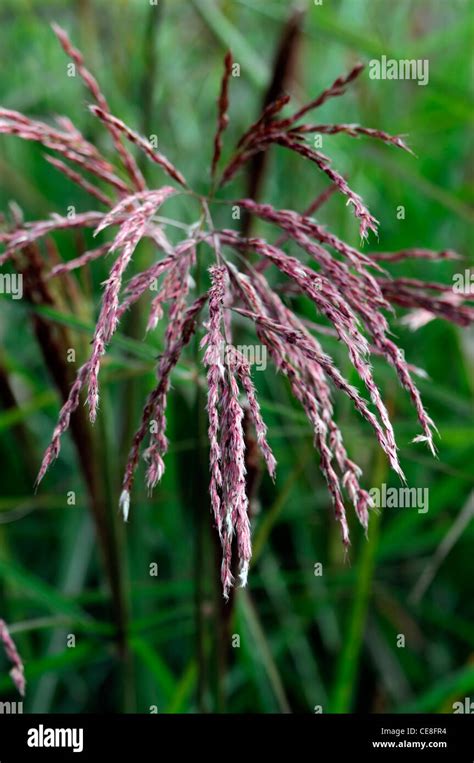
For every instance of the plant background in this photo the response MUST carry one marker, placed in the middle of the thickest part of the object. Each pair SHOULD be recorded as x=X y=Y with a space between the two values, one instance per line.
x=305 y=640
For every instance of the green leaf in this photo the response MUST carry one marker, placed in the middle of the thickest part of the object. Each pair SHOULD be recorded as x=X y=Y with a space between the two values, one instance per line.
x=165 y=680
x=70 y=659
x=252 y=65
x=455 y=686
x=14 y=415
x=41 y=592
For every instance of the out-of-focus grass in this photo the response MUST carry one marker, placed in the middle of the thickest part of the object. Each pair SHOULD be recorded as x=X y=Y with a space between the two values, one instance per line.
x=305 y=640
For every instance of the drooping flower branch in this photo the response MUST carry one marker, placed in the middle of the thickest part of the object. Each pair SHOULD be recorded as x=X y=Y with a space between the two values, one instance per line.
x=18 y=671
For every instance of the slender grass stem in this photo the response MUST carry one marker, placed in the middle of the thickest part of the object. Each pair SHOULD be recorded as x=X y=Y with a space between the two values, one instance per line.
x=118 y=562
x=349 y=662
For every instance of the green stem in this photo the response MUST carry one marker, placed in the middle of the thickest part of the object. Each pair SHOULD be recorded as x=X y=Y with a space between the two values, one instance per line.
x=119 y=565
x=348 y=665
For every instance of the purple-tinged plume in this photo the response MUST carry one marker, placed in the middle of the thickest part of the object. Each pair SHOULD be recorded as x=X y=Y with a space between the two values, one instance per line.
x=348 y=289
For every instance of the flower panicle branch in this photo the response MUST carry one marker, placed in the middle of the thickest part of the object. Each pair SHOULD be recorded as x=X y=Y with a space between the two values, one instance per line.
x=17 y=672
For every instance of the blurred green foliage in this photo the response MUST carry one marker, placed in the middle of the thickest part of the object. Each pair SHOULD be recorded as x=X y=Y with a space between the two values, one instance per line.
x=305 y=640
